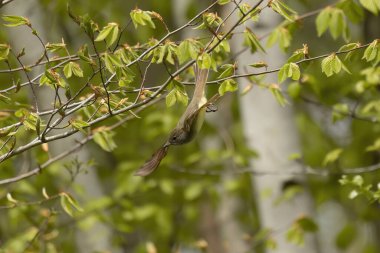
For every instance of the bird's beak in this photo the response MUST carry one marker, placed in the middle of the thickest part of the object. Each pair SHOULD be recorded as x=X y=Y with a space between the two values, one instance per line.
x=167 y=144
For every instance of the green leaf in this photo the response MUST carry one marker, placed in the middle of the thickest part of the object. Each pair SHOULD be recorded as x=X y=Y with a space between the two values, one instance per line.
x=283 y=73
x=252 y=41
x=72 y=68
x=298 y=55
x=295 y=235
x=181 y=97
x=332 y=156
x=15 y=20
x=111 y=61
x=294 y=89
x=188 y=49
x=273 y=37
x=372 y=51
x=352 y=10
x=4 y=51
x=223 y=2
x=278 y=95
x=54 y=47
x=337 y=23
x=284 y=38
x=371 y=5
x=289 y=70
x=295 y=71
x=340 y=111
x=105 y=140
x=143 y=18
x=228 y=70
x=109 y=33
x=323 y=20
x=331 y=64
x=259 y=64
x=171 y=98
x=204 y=61
x=281 y=8
x=346 y=236
x=307 y=224
x=229 y=85
x=193 y=191
x=69 y=204
x=375 y=146
x=79 y=125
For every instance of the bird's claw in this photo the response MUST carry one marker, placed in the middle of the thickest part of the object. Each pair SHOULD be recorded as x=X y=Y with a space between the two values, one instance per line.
x=211 y=108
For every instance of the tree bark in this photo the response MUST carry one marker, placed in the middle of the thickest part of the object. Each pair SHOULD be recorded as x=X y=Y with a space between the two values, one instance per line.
x=270 y=130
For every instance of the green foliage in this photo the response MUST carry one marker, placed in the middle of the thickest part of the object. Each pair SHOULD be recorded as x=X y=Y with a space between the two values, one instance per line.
x=109 y=33
x=281 y=35
x=296 y=233
x=228 y=85
x=69 y=204
x=4 y=51
x=371 y=5
x=289 y=70
x=15 y=20
x=281 y=8
x=72 y=68
x=334 y=20
x=109 y=82
x=251 y=40
x=359 y=188
x=143 y=18
x=177 y=94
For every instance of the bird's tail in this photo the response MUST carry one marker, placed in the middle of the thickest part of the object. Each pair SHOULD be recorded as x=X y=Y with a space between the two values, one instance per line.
x=152 y=164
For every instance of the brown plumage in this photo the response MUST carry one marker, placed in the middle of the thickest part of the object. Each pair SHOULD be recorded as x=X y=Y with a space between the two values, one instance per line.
x=187 y=126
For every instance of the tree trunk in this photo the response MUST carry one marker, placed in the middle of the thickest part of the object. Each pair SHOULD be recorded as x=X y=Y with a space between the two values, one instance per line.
x=270 y=130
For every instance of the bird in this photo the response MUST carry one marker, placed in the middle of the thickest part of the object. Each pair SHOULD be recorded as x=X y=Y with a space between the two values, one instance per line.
x=188 y=125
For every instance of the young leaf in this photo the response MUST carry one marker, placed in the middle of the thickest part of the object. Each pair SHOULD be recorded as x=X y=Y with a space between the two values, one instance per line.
x=281 y=8
x=15 y=21
x=105 y=140
x=259 y=64
x=79 y=125
x=54 y=47
x=72 y=68
x=337 y=23
x=295 y=71
x=69 y=204
x=323 y=20
x=331 y=65
x=109 y=33
x=372 y=51
x=171 y=98
x=4 y=51
x=143 y=18
x=251 y=40
x=332 y=156
x=278 y=95
x=11 y=199
x=371 y=5
x=228 y=85
x=223 y=2
x=228 y=70
x=204 y=61
x=307 y=224
x=283 y=73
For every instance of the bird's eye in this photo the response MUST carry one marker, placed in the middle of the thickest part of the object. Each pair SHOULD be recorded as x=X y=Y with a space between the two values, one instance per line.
x=174 y=138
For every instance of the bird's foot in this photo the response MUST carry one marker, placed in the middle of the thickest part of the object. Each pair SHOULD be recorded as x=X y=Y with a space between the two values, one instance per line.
x=211 y=108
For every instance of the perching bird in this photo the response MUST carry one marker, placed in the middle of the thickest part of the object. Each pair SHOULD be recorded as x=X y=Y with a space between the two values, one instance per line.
x=188 y=125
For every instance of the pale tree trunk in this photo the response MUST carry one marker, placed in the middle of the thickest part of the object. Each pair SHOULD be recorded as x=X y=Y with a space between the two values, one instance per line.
x=270 y=130
x=98 y=237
